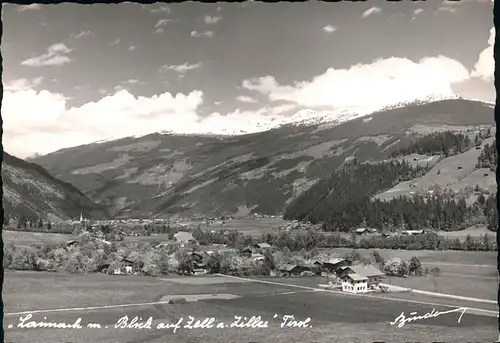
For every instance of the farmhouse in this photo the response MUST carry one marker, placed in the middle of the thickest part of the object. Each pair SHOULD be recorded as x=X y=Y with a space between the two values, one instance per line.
x=184 y=237
x=248 y=251
x=262 y=246
x=335 y=264
x=365 y=230
x=354 y=283
x=413 y=232
x=258 y=257
x=292 y=269
x=372 y=273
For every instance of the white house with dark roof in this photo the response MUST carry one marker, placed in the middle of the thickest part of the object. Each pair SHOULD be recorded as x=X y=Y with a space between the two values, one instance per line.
x=354 y=283
x=369 y=271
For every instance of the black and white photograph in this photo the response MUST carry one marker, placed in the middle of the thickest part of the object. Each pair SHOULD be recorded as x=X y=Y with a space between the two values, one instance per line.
x=249 y=172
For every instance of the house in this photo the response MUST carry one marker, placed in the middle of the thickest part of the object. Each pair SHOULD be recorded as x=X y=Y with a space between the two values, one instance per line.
x=197 y=256
x=372 y=273
x=262 y=246
x=248 y=251
x=365 y=230
x=123 y=267
x=200 y=268
x=292 y=269
x=184 y=237
x=72 y=243
x=413 y=232
x=361 y=231
x=354 y=283
x=258 y=257
x=335 y=264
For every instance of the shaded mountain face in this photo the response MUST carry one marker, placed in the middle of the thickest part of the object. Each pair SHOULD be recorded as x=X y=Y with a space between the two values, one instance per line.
x=158 y=175
x=30 y=191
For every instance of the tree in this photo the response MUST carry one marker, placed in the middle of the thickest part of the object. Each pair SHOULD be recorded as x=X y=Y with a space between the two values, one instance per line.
x=214 y=264
x=379 y=260
x=40 y=223
x=49 y=226
x=269 y=261
x=415 y=266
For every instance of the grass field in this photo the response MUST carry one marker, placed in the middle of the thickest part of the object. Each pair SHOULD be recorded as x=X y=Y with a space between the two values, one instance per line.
x=22 y=238
x=334 y=317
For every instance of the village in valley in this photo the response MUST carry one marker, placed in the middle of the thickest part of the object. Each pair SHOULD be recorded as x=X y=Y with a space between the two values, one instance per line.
x=184 y=254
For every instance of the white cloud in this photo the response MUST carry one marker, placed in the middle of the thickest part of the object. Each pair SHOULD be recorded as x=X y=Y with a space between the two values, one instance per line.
x=29 y=7
x=132 y=48
x=329 y=29
x=82 y=34
x=211 y=20
x=447 y=8
x=381 y=83
x=485 y=65
x=115 y=42
x=370 y=12
x=181 y=68
x=162 y=23
x=219 y=8
x=418 y=11
x=195 y=33
x=22 y=84
x=161 y=8
x=42 y=121
x=247 y=99
x=55 y=56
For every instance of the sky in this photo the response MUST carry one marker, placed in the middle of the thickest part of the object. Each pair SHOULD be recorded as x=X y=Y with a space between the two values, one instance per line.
x=76 y=74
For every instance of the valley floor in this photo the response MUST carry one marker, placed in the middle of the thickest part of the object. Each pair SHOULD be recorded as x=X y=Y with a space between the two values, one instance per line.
x=335 y=317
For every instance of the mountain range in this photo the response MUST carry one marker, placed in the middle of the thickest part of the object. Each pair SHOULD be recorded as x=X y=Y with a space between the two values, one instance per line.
x=165 y=174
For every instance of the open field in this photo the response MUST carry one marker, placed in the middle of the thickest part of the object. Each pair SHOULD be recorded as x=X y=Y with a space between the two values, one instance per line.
x=474 y=232
x=23 y=238
x=334 y=317
x=253 y=227
x=432 y=257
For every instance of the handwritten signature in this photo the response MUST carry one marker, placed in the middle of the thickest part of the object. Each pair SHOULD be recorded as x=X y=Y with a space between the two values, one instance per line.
x=401 y=320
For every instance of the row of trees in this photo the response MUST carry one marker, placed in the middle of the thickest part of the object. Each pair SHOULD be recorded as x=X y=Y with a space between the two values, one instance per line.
x=447 y=143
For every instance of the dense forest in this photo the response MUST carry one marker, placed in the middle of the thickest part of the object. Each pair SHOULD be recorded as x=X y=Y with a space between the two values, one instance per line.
x=488 y=157
x=344 y=200
x=447 y=143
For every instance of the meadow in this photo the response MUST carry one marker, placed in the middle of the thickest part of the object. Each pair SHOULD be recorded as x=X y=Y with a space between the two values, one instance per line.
x=334 y=317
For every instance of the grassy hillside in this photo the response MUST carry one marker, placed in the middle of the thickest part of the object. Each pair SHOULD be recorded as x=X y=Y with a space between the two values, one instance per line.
x=161 y=174
x=30 y=191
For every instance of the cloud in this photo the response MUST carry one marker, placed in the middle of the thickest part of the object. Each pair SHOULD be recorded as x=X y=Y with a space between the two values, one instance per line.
x=247 y=99
x=161 y=8
x=32 y=7
x=219 y=8
x=195 y=33
x=485 y=65
x=211 y=20
x=132 y=48
x=115 y=42
x=329 y=29
x=381 y=83
x=447 y=8
x=41 y=122
x=22 y=84
x=81 y=34
x=417 y=11
x=181 y=69
x=162 y=23
x=370 y=12
x=56 y=55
